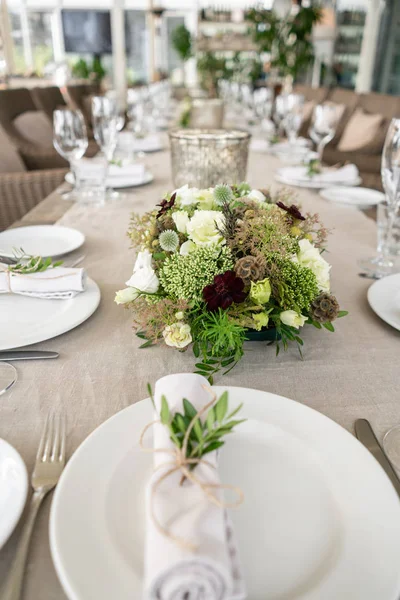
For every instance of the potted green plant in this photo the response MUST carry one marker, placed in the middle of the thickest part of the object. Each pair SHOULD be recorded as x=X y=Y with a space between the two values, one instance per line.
x=182 y=42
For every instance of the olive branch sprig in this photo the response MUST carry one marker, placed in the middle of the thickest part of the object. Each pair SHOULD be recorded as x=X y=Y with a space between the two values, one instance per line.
x=28 y=264
x=205 y=435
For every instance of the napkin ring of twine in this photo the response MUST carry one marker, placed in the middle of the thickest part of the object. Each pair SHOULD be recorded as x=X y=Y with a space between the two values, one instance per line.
x=181 y=463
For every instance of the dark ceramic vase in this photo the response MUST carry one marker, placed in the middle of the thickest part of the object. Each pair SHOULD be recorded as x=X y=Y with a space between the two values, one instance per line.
x=265 y=335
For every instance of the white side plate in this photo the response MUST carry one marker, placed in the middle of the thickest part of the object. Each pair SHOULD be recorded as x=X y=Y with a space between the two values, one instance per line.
x=359 y=197
x=25 y=321
x=120 y=182
x=13 y=489
x=41 y=240
x=384 y=299
x=320 y=521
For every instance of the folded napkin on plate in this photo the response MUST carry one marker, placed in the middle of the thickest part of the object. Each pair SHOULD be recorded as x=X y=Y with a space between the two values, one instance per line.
x=60 y=283
x=348 y=173
x=134 y=170
x=172 y=571
x=127 y=141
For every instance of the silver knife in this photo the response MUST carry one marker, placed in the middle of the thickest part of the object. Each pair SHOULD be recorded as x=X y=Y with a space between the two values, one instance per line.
x=11 y=355
x=365 y=434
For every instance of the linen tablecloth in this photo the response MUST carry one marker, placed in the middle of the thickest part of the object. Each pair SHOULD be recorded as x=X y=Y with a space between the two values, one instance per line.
x=346 y=375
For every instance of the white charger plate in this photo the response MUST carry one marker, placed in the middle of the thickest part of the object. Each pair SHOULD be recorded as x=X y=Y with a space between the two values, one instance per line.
x=320 y=520
x=384 y=299
x=25 y=320
x=13 y=489
x=359 y=197
x=41 y=240
x=120 y=182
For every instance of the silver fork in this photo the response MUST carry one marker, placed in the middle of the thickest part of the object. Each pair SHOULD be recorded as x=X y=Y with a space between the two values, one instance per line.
x=50 y=461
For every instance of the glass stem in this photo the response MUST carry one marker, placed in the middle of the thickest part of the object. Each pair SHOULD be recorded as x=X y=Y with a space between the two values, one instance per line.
x=385 y=247
x=320 y=149
x=74 y=172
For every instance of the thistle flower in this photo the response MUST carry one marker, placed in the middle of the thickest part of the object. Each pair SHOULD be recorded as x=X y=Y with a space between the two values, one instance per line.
x=169 y=240
x=223 y=194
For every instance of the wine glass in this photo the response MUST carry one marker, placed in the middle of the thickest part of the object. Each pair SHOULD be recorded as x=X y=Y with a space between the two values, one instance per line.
x=105 y=124
x=294 y=116
x=70 y=140
x=323 y=127
x=383 y=264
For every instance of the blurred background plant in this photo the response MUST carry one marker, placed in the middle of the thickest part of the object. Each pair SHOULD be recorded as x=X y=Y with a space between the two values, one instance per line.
x=286 y=39
x=83 y=70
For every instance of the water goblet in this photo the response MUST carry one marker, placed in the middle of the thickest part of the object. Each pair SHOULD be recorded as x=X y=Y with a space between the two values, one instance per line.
x=323 y=127
x=70 y=140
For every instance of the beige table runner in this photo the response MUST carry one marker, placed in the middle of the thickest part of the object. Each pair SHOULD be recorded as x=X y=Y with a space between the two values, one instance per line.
x=352 y=373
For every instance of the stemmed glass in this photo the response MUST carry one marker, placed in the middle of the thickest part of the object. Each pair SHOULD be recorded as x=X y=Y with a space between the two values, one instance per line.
x=383 y=263
x=105 y=124
x=70 y=139
x=323 y=127
x=294 y=116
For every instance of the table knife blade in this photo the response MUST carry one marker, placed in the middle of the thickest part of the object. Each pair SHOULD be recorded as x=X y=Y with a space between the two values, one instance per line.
x=10 y=355
x=366 y=435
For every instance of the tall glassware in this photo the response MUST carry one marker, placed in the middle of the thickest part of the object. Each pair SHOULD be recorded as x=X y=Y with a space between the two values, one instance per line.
x=105 y=120
x=324 y=124
x=69 y=139
x=384 y=264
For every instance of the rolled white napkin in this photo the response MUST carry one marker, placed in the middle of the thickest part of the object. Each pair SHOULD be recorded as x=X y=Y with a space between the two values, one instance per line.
x=60 y=283
x=343 y=175
x=172 y=571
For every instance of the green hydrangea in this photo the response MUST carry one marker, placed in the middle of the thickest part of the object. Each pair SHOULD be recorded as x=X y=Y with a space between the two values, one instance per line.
x=186 y=276
x=294 y=286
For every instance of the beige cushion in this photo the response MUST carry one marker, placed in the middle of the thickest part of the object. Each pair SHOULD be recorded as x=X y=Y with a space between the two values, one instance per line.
x=10 y=160
x=35 y=127
x=360 y=131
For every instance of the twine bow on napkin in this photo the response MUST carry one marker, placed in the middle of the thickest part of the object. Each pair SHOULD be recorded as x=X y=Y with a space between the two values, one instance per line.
x=184 y=464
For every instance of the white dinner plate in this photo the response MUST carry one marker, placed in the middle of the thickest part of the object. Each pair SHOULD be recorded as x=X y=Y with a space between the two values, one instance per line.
x=384 y=299
x=13 y=489
x=359 y=197
x=25 y=320
x=120 y=182
x=315 y=185
x=320 y=520
x=41 y=240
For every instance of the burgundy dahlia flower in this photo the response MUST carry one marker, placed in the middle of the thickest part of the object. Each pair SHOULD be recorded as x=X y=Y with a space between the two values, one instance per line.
x=293 y=211
x=226 y=289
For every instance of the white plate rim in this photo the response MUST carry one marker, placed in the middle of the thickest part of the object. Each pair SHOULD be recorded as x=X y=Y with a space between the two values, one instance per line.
x=324 y=193
x=93 y=288
x=19 y=503
x=314 y=184
x=148 y=177
x=375 y=288
x=60 y=228
x=60 y=569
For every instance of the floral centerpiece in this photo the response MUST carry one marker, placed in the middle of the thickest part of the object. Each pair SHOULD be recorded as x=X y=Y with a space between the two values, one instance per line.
x=216 y=264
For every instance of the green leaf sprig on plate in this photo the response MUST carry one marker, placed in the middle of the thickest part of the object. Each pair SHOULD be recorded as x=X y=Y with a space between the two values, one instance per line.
x=206 y=433
x=28 y=264
x=314 y=167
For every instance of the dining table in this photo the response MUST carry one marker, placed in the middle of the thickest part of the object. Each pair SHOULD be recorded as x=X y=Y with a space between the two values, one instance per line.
x=349 y=374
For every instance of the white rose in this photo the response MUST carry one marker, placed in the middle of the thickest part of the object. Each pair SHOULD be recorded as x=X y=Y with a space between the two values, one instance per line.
x=205 y=199
x=257 y=196
x=181 y=219
x=292 y=318
x=177 y=335
x=310 y=257
x=203 y=227
x=187 y=247
x=124 y=296
x=186 y=196
x=144 y=277
x=143 y=260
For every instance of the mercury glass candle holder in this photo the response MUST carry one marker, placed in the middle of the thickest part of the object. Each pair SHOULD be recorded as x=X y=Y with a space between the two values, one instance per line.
x=205 y=157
